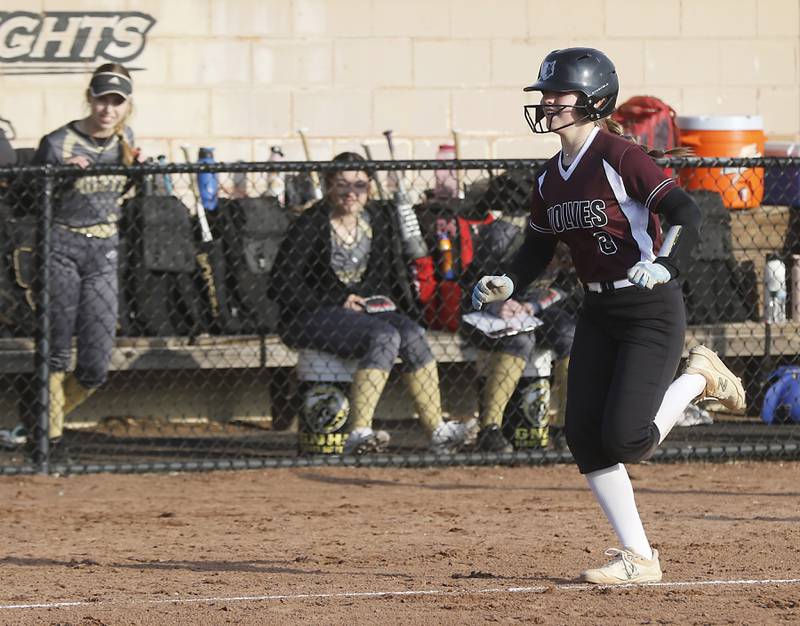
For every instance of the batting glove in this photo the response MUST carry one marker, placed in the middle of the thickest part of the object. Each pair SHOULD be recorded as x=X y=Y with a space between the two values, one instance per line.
x=647 y=275
x=491 y=289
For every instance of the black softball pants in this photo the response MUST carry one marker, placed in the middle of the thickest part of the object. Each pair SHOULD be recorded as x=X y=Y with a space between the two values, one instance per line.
x=628 y=345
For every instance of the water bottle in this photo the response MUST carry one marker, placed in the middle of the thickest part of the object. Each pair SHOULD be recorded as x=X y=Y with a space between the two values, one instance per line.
x=774 y=290
x=445 y=247
x=239 y=183
x=446 y=186
x=148 y=180
x=207 y=181
x=163 y=181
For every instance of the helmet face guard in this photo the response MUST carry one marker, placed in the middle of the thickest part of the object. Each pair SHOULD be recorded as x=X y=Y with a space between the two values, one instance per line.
x=586 y=71
x=538 y=121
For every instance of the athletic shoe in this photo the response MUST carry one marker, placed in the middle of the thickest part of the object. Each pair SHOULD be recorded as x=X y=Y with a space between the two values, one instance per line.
x=364 y=440
x=58 y=448
x=721 y=384
x=452 y=435
x=491 y=439
x=626 y=567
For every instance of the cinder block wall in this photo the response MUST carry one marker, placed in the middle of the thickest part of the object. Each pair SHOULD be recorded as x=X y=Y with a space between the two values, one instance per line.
x=244 y=74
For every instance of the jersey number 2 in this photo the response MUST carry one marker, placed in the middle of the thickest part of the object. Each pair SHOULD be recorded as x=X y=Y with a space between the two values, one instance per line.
x=606 y=243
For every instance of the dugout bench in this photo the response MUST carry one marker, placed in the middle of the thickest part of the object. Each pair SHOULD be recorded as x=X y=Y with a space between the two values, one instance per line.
x=245 y=367
x=228 y=378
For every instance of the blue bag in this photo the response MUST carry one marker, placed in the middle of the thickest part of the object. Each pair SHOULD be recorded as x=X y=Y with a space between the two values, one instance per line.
x=782 y=400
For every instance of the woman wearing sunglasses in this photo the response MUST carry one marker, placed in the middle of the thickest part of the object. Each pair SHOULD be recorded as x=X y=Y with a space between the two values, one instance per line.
x=341 y=252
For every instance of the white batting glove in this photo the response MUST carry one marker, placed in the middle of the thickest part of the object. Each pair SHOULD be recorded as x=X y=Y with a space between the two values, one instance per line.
x=647 y=275
x=491 y=289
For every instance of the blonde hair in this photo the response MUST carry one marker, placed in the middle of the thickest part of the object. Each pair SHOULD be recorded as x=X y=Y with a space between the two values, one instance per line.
x=614 y=127
x=128 y=154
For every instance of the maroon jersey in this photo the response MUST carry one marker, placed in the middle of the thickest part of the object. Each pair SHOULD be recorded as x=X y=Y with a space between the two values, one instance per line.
x=602 y=206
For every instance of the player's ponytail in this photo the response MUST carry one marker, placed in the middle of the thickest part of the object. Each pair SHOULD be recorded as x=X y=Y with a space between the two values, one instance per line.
x=614 y=127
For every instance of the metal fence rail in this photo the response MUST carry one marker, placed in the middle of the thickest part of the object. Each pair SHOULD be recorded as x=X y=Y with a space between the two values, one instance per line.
x=159 y=337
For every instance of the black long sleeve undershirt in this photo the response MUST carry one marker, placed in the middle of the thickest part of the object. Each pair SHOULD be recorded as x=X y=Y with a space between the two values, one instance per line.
x=532 y=258
x=680 y=209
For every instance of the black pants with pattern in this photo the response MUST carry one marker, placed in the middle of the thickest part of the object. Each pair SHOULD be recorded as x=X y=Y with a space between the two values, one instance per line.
x=83 y=299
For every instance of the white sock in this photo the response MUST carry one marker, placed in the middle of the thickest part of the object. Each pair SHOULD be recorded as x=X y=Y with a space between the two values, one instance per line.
x=679 y=394
x=613 y=490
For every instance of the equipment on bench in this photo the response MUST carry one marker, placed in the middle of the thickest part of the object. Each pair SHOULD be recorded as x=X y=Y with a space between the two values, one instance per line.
x=252 y=230
x=17 y=273
x=715 y=286
x=159 y=269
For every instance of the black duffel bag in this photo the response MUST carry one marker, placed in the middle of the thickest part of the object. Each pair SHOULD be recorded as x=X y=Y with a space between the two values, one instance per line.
x=159 y=270
x=252 y=230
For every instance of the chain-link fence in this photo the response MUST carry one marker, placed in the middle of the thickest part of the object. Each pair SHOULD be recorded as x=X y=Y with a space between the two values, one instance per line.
x=263 y=314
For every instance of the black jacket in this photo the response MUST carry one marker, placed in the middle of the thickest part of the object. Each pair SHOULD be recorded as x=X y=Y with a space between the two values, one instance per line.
x=302 y=278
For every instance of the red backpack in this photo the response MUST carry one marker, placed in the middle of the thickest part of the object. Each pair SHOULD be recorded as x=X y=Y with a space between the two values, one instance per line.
x=440 y=296
x=650 y=121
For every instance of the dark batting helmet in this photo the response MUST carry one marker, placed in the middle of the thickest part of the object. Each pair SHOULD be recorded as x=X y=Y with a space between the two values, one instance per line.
x=585 y=70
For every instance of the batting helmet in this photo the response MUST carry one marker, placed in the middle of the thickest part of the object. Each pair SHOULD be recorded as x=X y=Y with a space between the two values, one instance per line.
x=325 y=409
x=585 y=70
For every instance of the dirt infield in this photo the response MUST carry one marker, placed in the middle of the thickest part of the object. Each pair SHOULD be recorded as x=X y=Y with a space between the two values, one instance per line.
x=370 y=546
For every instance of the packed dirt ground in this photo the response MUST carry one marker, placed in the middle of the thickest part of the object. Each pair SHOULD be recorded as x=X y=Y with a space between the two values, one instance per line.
x=401 y=546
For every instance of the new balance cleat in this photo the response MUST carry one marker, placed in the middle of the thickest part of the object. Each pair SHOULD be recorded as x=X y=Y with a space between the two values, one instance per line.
x=626 y=567
x=721 y=384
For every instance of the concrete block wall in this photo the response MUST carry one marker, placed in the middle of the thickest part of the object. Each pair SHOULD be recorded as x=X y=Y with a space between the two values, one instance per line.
x=242 y=75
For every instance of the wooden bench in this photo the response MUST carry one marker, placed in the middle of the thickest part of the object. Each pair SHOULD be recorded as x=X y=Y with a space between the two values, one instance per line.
x=735 y=339
x=215 y=389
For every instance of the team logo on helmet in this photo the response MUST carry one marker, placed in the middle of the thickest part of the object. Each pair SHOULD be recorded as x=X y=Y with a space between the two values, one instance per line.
x=548 y=69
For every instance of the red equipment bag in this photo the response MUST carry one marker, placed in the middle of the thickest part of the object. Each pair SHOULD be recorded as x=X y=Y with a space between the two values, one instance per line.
x=650 y=121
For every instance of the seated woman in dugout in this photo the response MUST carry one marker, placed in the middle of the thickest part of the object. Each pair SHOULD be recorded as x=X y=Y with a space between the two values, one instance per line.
x=339 y=253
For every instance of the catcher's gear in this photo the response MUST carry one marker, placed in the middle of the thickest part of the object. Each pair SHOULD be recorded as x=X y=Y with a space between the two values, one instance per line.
x=585 y=70
x=490 y=289
x=646 y=274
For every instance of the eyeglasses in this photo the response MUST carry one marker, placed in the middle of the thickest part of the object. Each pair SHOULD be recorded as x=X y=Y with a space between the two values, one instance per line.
x=343 y=188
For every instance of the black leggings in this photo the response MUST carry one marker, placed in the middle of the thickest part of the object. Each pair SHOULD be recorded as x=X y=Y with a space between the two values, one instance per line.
x=628 y=345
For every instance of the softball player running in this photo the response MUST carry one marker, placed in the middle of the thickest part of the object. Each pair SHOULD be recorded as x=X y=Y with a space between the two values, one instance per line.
x=601 y=194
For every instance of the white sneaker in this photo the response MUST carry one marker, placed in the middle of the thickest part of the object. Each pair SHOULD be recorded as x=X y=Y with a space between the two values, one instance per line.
x=626 y=567
x=721 y=384
x=451 y=435
x=365 y=440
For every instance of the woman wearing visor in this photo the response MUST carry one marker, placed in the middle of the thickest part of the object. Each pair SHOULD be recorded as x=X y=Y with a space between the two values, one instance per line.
x=602 y=195
x=84 y=240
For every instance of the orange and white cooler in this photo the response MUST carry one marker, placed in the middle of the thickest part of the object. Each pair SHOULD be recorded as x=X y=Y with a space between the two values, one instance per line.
x=725 y=136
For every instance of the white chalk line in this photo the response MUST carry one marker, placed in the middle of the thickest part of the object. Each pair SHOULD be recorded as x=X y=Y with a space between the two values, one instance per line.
x=389 y=594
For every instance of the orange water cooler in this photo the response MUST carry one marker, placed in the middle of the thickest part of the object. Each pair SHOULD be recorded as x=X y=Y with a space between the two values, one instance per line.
x=725 y=136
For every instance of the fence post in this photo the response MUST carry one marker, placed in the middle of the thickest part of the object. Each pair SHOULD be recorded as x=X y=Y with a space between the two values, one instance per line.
x=41 y=359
